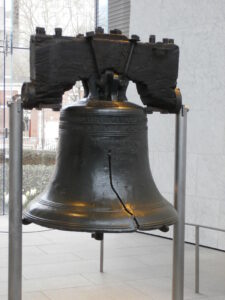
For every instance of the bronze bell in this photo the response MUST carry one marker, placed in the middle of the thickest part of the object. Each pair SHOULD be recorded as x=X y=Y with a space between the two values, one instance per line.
x=102 y=180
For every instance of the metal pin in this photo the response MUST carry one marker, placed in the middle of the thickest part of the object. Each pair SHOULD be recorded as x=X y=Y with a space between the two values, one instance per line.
x=58 y=32
x=40 y=30
x=171 y=41
x=115 y=31
x=99 y=30
x=152 y=39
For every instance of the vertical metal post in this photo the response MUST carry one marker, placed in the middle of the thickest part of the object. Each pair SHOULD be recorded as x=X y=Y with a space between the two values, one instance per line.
x=4 y=108
x=102 y=254
x=196 y=259
x=42 y=129
x=179 y=202
x=15 y=201
x=96 y=13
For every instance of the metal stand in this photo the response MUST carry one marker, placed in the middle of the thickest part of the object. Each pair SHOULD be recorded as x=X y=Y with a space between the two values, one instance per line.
x=15 y=201
x=179 y=203
x=102 y=254
x=99 y=236
x=15 y=204
x=197 y=259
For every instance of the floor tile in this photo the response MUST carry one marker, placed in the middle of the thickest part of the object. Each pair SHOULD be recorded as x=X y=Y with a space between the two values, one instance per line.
x=55 y=283
x=118 y=292
x=60 y=265
x=30 y=296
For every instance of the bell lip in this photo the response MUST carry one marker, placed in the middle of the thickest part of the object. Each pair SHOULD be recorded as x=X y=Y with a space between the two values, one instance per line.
x=66 y=227
x=167 y=222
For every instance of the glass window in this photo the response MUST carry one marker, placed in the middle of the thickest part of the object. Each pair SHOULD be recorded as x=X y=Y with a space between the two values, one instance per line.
x=73 y=16
x=102 y=14
x=18 y=20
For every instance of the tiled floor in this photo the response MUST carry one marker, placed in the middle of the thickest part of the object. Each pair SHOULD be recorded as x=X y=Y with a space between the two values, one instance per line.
x=65 y=266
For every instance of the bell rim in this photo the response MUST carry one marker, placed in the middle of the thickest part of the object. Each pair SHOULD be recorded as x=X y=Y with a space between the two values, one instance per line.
x=78 y=228
x=64 y=226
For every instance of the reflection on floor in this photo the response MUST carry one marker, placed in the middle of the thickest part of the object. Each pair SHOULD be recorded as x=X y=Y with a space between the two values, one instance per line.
x=65 y=266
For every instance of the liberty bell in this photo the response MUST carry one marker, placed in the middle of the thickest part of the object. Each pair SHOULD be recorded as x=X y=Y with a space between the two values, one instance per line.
x=102 y=180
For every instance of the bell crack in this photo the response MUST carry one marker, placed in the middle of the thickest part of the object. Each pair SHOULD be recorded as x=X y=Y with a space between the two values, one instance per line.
x=117 y=194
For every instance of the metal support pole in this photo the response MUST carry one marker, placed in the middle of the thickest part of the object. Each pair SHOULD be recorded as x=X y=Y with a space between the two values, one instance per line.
x=102 y=254
x=179 y=202
x=15 y=201
x=96 y=13
x=197 y=259
x=4 y=108
x=42 y=129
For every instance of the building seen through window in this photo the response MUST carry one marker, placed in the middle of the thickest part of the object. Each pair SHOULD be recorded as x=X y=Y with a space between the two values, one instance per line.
x=18 y=20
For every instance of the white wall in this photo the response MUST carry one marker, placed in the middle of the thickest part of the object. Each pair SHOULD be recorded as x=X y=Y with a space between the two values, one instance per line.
x=198 y=27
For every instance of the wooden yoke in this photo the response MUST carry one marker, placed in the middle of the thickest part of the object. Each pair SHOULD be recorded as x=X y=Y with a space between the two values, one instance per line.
x=105 y=63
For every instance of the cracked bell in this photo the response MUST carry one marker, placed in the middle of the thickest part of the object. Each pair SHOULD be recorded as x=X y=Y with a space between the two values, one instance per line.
x=102 y=179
